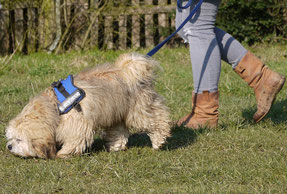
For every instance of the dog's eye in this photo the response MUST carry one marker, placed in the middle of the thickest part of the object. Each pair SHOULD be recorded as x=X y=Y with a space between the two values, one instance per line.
x=18 y=140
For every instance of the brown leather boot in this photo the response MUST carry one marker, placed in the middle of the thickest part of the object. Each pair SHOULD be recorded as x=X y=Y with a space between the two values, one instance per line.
x=265 y=83
x=204 y=111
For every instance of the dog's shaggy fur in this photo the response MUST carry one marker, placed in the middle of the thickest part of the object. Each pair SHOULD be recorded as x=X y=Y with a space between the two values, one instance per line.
x=118 y=97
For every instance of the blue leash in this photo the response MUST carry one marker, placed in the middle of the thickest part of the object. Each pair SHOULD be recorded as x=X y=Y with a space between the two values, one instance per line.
x=155 y=49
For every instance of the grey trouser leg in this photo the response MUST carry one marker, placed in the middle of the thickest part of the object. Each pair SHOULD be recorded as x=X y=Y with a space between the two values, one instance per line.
x=208 y=45
x=231 y=50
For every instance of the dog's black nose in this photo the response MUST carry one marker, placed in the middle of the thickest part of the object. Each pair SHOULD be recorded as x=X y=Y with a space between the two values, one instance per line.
x=9 y=147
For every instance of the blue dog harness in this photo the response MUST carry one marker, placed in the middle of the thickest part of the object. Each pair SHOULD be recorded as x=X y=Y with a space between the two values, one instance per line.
x=68 y=94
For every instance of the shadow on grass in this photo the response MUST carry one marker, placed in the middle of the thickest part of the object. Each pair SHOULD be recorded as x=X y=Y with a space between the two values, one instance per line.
x=180 y=137
x=97 y=146
x=277 y=114
x=135 y=140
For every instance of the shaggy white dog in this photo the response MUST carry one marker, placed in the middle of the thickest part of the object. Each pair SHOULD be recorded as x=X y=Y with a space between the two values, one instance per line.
x=118 y=97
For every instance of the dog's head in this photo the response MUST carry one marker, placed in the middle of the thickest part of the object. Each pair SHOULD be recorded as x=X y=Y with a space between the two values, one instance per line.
x=31 y=133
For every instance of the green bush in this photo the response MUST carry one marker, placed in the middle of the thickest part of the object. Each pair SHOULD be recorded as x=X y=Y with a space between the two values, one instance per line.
x=254 y=20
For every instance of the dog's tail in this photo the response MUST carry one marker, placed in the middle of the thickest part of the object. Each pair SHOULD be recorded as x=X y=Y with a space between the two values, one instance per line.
x=136 y=68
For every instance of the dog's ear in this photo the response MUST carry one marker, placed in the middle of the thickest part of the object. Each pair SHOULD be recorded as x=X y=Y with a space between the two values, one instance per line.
x=46 y=150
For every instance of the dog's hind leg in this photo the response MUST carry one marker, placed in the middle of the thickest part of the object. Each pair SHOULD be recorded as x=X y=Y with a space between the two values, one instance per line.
x=116 y=137
x=153 y=118
x=159 y=127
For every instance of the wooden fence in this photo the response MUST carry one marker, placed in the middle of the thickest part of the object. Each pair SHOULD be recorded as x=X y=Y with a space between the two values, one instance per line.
x=106 y=24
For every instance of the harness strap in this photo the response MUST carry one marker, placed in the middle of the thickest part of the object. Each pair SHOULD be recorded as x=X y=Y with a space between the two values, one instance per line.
x=63 y=90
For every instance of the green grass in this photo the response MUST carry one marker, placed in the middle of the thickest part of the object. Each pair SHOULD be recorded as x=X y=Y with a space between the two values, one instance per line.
x=239 y=156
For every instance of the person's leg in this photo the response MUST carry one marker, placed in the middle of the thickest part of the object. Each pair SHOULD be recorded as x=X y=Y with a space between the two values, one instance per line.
x=231 y=50
x=206 y=63
x=265 y=82
x=204 y=50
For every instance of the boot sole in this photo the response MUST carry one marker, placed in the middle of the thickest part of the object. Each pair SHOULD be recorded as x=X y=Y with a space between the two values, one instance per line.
x=277 y=90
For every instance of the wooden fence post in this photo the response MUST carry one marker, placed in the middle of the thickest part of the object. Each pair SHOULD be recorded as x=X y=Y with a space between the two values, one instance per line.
x=172 y=23
x=149 y=26
x=4 y=33
x=135 y=26
x=57 y=20
x=41 y=29
x=72 y=31
x=32 y=32
x=19 y=29
x=95 y=28
x=162 y=21
x=109 y=32
x=122 y=32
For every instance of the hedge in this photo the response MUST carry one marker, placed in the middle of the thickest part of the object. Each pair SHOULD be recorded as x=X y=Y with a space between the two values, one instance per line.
x=254 y=20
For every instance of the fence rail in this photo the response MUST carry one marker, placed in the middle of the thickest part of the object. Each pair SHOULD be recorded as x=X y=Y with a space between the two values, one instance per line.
x=86 y=24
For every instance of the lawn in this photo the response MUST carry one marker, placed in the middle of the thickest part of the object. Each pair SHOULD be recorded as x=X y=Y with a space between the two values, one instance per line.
x=239 y=156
